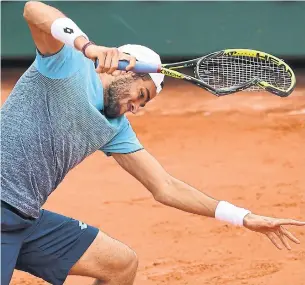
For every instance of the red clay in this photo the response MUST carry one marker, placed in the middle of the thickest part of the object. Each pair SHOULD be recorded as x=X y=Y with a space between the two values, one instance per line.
x=246 y=148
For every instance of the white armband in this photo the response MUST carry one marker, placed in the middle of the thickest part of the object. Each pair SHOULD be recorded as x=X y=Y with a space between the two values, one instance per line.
x=229 y=213
x=66 y=31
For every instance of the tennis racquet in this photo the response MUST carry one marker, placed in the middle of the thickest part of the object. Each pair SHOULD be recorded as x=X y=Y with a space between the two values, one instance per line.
x=229 y=71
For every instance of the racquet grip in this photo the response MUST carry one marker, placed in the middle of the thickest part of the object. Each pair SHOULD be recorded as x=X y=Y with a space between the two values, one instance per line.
x=140 y=67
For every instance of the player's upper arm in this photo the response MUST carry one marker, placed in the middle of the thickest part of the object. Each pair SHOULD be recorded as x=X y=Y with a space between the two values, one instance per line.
x=40 y=17
x=146 y=169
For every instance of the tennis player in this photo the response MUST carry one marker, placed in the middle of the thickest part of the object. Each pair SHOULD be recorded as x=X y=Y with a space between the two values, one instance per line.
x=60 y=111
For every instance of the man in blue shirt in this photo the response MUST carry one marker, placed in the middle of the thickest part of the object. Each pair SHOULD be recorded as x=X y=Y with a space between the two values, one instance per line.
x=60 y=111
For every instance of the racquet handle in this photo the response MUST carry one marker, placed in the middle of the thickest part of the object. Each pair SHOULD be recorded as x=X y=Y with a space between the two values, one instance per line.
x=140 y=67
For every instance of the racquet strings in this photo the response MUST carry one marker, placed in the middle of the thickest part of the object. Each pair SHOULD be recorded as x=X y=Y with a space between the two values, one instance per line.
x=227 y=71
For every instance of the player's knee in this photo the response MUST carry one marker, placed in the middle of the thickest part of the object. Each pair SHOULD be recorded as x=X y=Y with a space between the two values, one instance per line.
x=122 y=269
x=129 y=264
x=134 y=261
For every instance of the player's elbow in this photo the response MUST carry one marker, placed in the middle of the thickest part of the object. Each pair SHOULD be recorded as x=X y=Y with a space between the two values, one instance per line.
x=32 y=9
x=27 y=8
x=162 y=193
x=161 y=197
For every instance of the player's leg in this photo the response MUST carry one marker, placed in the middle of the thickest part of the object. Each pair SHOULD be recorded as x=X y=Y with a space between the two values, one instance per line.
x=109 y=261
x=14 y=228
x=60 y=246
x=9 y=255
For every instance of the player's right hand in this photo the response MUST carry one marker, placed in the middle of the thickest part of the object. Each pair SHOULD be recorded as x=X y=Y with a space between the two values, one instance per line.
x=273 y=228
x=108 y=58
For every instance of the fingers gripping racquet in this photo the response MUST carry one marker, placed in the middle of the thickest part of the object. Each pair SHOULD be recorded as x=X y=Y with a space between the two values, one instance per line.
x=229 y=71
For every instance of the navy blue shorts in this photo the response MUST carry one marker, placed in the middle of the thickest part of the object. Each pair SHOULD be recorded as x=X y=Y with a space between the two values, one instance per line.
x=46 y=247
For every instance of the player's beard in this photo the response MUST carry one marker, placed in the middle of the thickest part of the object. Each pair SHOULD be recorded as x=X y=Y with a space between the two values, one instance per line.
x=118 y=90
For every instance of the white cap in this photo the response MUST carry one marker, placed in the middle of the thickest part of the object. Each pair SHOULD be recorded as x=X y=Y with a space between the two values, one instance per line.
x=145 y=54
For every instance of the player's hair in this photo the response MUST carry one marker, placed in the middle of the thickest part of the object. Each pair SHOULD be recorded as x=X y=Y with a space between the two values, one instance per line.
x=144 y=76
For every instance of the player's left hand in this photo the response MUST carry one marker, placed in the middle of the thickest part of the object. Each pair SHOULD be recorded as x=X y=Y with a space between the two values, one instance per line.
x=273 y=228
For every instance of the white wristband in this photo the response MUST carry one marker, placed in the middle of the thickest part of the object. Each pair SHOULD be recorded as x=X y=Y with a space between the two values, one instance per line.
x=227 y=212
x=66 y=31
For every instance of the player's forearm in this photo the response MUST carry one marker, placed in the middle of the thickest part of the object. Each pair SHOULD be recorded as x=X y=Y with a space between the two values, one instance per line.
x=186 y=198
x=41 y=15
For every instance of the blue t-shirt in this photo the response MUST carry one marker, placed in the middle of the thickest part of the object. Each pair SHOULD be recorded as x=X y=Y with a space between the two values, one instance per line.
x=50 y=123
x=67 y=62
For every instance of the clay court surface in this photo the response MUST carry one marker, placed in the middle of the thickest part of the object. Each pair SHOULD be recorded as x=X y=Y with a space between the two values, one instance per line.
x=246 y=148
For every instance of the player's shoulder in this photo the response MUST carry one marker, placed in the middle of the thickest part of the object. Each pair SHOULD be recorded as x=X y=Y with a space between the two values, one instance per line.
x=63 y=64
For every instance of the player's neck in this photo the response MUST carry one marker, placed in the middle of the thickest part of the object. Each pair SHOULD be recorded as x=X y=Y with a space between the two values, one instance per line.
x=106 y=79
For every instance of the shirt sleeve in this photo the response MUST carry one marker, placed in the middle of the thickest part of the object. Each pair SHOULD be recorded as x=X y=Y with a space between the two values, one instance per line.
x=124 y=142
x=62 y=64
